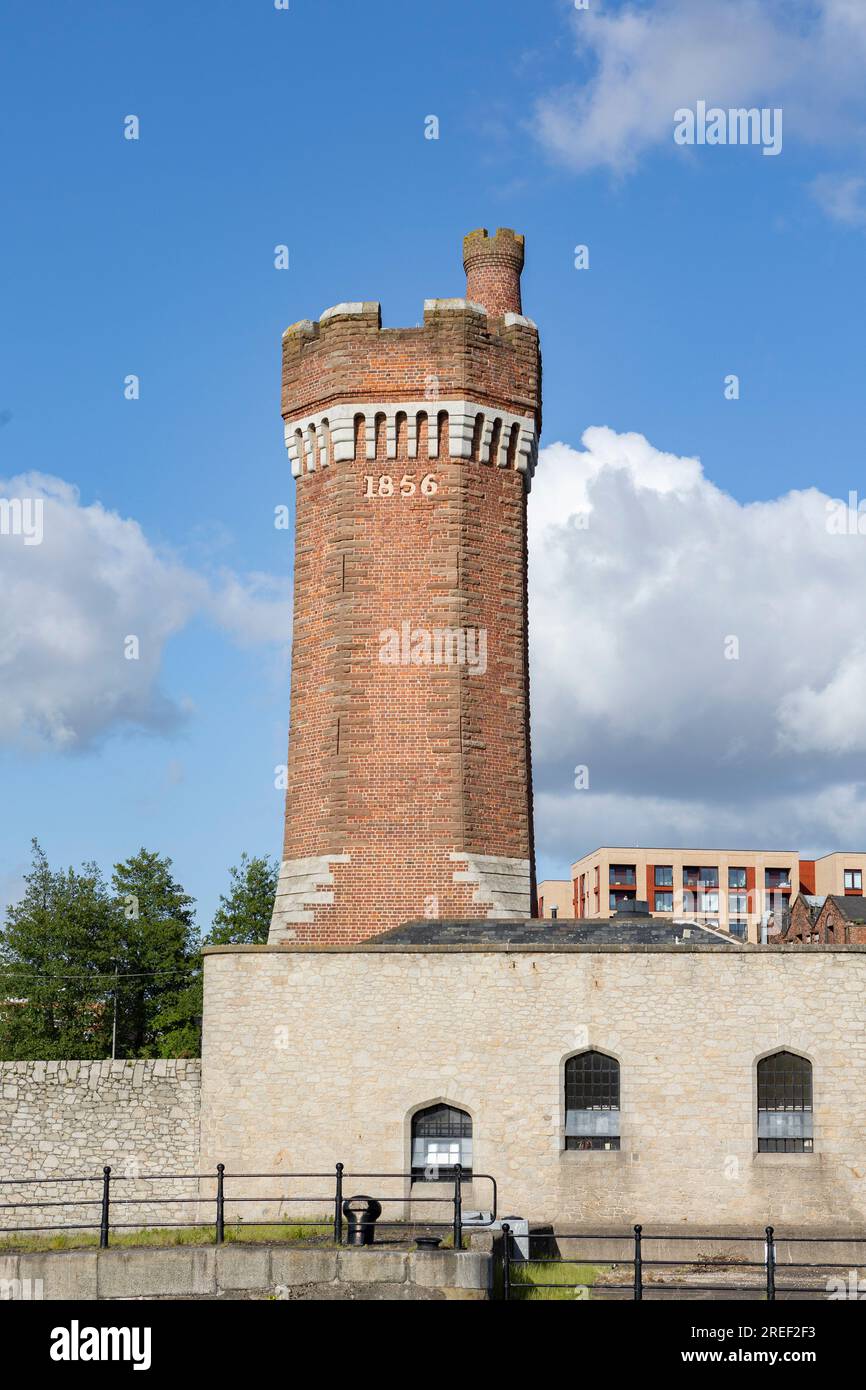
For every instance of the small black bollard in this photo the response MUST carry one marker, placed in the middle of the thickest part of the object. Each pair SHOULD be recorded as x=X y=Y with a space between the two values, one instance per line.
x=361 y=1215
x=103 y=1225
x=338 y=1207
x=221 y=1205
x=458 y=1207
x=771 y=1265
x=638 y=1265
x=506 y=1261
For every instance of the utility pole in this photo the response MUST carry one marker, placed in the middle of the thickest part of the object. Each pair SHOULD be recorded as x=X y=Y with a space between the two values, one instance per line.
x=114 y=1023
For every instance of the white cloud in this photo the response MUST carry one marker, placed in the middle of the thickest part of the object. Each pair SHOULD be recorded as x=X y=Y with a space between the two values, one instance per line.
x=830 y=717
x=843 y=197
x=252 y=608
x=641 y=64
x=641 y=570
x=70 y=603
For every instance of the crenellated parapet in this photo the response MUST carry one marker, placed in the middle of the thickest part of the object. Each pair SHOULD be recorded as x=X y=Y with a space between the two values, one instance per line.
x=461 y=357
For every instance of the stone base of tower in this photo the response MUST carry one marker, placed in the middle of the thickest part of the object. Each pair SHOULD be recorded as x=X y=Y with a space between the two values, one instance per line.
x=340 y=899
x=303 y=886
x=502 y=886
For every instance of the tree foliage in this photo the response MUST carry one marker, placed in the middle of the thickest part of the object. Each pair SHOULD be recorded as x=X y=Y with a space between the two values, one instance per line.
x=87 y=966
x=243 y=917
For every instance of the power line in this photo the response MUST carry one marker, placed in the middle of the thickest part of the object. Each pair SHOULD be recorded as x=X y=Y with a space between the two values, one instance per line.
x=98 y=974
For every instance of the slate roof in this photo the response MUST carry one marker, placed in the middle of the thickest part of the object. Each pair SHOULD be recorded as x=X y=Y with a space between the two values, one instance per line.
x=812 y=906
x=628 y=929
x=851 y=907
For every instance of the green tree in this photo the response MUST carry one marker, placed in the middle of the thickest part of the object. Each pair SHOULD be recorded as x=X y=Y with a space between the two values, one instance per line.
x=155 y=950
x=55 y=964
x=243 y=917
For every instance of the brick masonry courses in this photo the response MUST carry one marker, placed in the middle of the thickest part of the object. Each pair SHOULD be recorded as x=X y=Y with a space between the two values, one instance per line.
x=409 y=785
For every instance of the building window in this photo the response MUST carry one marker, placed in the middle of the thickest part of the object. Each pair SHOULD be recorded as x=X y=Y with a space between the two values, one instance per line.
x=623 y=874
x=709 y=902
x=664 y=876
x=441 y=1138
x=777 y=903
x=777 y=878
x=739 y=926
x=554 y=912
x=736 y=878
x=738 y=904
x=592 y=1101
x=664 y=902
x=853 y=880
x=703 y=877
x=617 y=899
x=784 y=1104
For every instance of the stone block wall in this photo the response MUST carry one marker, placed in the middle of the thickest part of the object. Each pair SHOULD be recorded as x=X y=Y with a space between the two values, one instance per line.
x=313 y=1055
x=69 y=1119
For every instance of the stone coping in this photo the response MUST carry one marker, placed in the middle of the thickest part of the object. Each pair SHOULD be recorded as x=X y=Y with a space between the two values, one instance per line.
x=540 y=948
x=234 y=1269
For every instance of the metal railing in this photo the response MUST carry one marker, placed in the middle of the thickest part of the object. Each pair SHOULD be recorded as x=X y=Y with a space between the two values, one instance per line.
x=514 y=1287
x=225 y=1194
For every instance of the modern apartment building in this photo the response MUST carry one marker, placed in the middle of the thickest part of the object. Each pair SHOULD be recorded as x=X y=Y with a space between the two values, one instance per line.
x=839 y=874
x=555 y=898
x=736 y=890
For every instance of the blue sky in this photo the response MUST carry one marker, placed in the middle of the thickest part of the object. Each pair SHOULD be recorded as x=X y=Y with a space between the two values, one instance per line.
x=306 y=127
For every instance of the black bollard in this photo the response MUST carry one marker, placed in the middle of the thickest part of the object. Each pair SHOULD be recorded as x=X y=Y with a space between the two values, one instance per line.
x=361 y=1215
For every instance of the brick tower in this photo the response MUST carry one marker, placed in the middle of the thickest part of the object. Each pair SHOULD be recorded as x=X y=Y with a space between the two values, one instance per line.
x=409 y=786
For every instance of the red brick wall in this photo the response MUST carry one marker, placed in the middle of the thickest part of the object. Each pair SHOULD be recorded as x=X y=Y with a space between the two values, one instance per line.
x=493 y=266
x=801 y=924
x=399 y=766
x=457 y=354
x=842 y=932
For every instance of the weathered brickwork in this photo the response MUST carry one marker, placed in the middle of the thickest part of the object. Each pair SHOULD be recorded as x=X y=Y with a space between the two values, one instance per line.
x=70 y=1119
x=402 y=769
x=837 y=921
x=319 y=1055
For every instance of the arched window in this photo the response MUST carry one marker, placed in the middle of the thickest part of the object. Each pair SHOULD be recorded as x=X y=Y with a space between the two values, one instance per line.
x=784 y=1104
x=441 y=1138
x=592 y=1101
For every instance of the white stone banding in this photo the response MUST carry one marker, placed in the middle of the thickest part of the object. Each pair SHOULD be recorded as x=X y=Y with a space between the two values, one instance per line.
x=315 y=441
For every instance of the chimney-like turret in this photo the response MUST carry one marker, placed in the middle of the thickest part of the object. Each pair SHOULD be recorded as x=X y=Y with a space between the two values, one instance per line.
x=493 y=265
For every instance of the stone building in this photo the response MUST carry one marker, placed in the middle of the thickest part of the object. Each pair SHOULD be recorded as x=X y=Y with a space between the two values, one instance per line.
x=684 y=1084
x=409 y=1013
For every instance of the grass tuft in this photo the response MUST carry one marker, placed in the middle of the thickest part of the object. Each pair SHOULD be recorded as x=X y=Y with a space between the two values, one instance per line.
x=163 y=1237
x=574 y=1281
